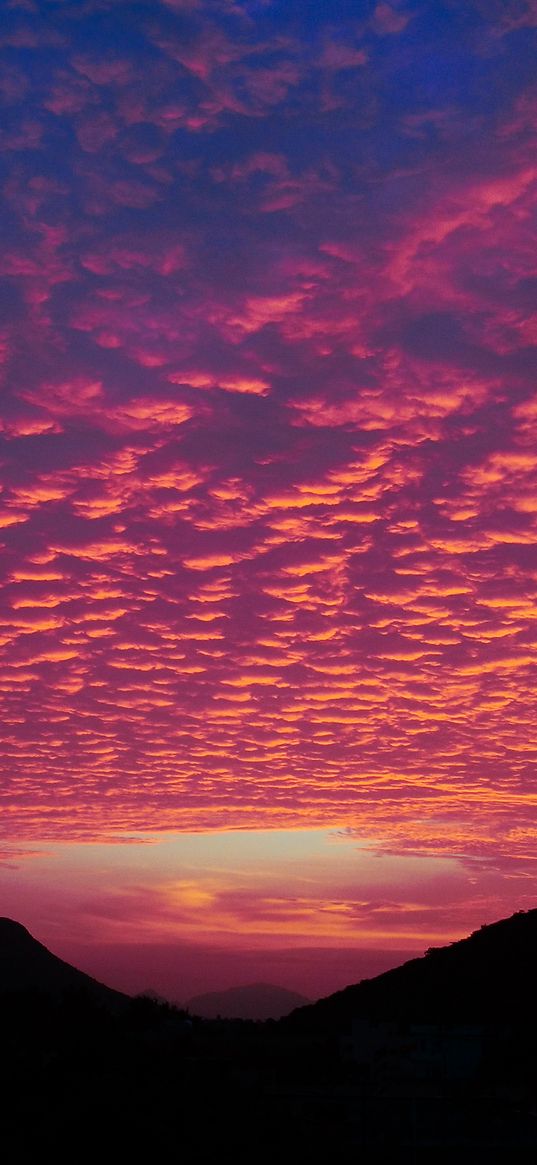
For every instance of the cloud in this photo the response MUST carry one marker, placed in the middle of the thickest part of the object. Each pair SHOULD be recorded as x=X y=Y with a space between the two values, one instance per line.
x=388 y=21
x=268 y=483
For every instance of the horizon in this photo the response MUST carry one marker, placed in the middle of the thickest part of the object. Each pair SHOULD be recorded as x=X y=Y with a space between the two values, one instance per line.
x=258 y=1000
x=195 y=928
x=268 y=481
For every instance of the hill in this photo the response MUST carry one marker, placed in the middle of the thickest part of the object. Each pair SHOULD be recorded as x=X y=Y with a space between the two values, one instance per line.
x=488 y=977
x=440 y=1064
x=255 y=1001
x=26 y=965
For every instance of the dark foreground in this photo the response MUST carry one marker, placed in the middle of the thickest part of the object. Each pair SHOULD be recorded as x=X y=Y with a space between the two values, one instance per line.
x=433 y=1061
x=79 y=1081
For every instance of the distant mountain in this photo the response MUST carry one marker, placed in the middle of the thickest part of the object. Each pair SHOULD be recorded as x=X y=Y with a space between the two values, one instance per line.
x=489 y=977
x=27 y=965
x=255 y=1001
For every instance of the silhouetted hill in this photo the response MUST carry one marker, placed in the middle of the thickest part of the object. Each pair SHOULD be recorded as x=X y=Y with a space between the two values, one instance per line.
x=27 y=965
x=487 y=978
x=255 y=1001
x=143 y=1079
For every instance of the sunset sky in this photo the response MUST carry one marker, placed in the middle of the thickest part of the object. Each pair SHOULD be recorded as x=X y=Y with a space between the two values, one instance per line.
x=268 y=509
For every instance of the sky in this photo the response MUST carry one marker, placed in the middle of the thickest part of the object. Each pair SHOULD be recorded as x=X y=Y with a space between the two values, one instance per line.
x=268 y=469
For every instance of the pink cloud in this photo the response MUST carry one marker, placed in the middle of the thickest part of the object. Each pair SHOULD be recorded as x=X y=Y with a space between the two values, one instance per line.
x=388 y=21
x=268 y=482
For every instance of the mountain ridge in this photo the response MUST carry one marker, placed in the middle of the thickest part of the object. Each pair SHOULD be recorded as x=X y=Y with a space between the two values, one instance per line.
x=259 y=1001
x=486 y=976
x=28 y=965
